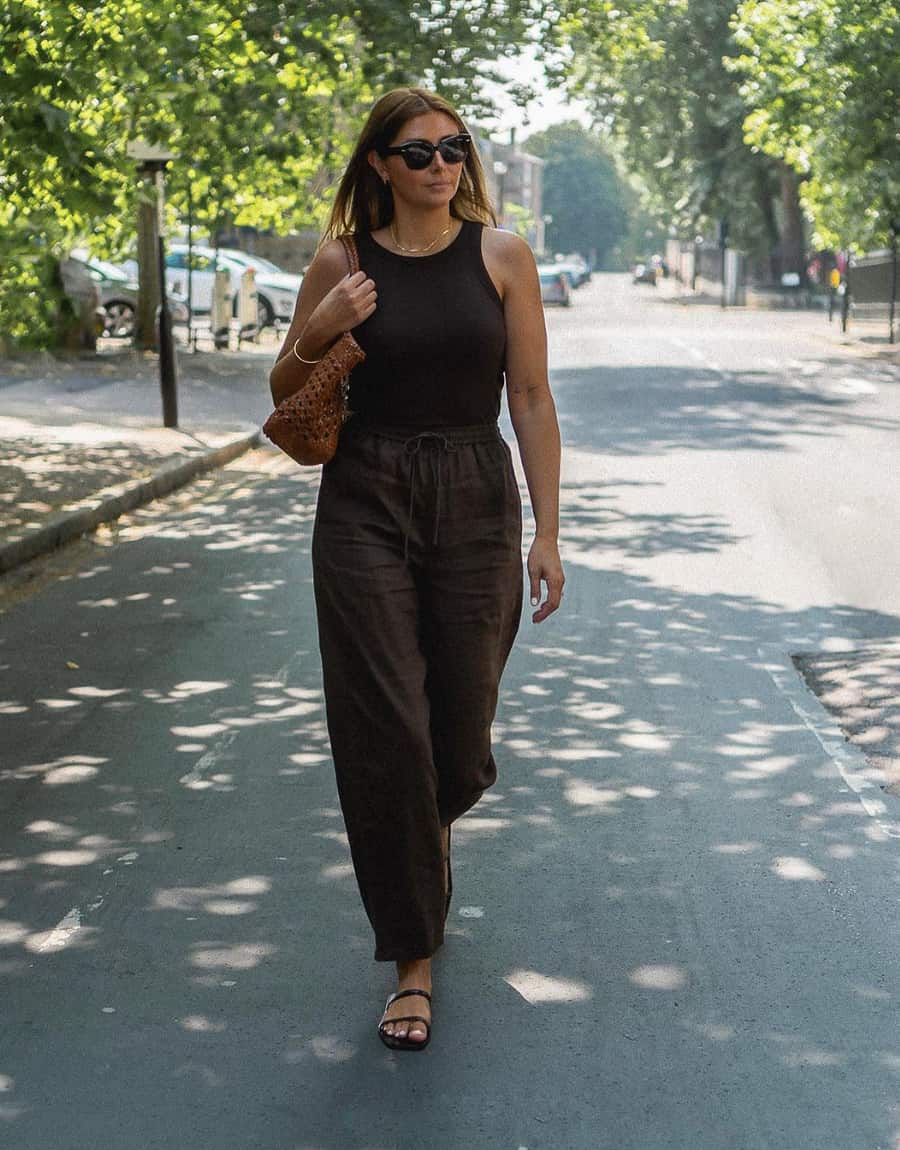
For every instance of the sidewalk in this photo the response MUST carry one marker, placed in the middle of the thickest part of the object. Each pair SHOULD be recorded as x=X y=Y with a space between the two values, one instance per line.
x=863 y=336
x=82 y=441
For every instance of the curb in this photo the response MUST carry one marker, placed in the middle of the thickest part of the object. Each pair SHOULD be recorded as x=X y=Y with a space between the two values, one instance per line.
x=68 y=525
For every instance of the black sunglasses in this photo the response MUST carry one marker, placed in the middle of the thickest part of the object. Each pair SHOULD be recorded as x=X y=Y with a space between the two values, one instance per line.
x=418 y=154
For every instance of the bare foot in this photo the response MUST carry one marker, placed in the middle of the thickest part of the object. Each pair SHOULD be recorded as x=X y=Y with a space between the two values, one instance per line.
x=411 y=975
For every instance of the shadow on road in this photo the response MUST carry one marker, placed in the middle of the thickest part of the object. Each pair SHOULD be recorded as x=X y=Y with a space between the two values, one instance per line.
x=652 y=919
x=648 y=409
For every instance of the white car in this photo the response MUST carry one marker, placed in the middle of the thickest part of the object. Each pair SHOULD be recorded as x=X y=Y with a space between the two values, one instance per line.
x=276 y=290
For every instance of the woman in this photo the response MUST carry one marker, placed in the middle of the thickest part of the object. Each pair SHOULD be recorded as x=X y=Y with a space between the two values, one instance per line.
x=417 y=540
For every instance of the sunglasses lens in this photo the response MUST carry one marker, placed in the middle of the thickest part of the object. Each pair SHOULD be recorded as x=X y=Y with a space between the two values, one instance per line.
x=417 y=156
x=454 y=151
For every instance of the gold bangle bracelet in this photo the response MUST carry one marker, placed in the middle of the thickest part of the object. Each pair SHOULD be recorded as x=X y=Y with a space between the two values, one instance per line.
x=300 y=357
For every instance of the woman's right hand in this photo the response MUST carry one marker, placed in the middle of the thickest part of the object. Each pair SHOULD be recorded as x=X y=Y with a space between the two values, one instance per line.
x=331 y=301
x=350 y=301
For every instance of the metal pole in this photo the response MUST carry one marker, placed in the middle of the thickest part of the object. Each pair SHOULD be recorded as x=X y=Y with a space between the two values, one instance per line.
x=845 y=301
x=190 y=267
x=168 y=370
x=723 y=244
x=895 y=227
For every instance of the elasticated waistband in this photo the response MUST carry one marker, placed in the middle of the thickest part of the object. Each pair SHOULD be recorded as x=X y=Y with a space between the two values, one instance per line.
x=413 y=440
x=474 y=433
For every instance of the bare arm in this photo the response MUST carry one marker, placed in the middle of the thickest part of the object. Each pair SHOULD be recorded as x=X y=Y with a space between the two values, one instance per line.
x=533 y=414
x=331 y=301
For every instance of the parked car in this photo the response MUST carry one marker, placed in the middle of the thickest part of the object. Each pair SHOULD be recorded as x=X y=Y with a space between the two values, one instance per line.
x=81 y=314
x=644 y=273
x=576 y=268
x=119 y=294
x=650 y=270
x=276 y=290
x=555 y=285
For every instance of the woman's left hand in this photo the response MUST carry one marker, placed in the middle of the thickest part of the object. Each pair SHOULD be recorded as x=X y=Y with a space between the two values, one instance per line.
x=545 y=565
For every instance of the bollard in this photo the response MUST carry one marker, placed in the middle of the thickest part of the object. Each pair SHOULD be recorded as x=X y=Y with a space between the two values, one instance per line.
x=220 y=312
x=248 y=307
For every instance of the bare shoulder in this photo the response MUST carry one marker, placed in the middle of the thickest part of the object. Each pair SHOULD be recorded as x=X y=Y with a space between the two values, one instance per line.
x=330 y=261
x=508 y=259
x=507 y=247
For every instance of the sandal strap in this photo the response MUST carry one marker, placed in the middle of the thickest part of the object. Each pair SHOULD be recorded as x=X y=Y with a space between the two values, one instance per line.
x=403 y=993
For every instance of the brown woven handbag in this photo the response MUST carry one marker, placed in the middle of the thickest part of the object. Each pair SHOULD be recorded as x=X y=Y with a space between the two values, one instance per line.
x=308 y=423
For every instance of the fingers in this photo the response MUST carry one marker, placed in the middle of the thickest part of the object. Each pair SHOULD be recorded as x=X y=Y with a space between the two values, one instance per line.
x=550 y=604
x=360 y=294
x=535 y=578
x=368 y=302
x=555 y=581
x=359 y=281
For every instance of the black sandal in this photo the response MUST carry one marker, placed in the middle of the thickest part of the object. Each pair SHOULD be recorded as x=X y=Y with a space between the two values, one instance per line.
x=392 y=1040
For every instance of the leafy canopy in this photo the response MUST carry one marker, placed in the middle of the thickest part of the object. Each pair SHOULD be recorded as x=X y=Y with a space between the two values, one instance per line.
x=259 y=100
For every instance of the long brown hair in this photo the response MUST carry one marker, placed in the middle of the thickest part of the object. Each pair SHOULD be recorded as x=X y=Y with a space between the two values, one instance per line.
x=364 y=203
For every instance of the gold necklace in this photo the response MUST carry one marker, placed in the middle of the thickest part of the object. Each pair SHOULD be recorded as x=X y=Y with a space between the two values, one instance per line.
x=415 y=251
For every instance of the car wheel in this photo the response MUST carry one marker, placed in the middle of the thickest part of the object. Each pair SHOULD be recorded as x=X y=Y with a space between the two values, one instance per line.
x=119 y=320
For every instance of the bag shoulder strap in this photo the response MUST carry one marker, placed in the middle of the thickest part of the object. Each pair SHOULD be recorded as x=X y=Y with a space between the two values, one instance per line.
x=350 y=248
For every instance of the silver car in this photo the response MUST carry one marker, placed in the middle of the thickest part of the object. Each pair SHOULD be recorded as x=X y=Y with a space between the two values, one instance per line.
x=555 y=285
x=119 y=295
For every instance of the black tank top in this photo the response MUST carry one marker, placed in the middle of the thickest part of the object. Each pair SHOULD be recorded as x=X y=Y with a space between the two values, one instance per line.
x=436 y=342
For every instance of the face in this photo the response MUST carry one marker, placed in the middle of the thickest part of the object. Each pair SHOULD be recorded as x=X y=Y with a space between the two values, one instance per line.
x=432 y=186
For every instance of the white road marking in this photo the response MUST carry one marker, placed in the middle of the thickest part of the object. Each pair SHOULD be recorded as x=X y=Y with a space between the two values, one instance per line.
x=862 y=777
x=62 y=933
x=208 y=759
x=70 y=924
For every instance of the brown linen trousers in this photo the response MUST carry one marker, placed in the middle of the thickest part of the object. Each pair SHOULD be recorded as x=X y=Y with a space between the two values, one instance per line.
x=417 y=569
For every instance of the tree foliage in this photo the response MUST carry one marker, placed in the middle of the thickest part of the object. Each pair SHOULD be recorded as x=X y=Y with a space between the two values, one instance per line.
x=821 y=79
x=653 y=73
x=746 y=109
x=581 y=191
x=259 y=101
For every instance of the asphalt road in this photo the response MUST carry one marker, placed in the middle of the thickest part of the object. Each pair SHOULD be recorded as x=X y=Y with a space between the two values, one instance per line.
x=675 y=921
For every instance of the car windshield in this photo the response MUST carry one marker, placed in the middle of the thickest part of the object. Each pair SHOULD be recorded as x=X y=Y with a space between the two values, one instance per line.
x=108 y=271
x=252 y=261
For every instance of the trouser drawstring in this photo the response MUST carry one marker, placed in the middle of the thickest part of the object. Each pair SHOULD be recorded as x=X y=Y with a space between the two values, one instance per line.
x=411 y=447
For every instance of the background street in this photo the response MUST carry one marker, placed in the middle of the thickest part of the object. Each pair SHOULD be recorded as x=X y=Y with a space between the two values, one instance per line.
x=675 y=916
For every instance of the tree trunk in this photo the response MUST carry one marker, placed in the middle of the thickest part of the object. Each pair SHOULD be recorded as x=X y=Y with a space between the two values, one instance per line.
x=792 y=246
x=765 y=188
x=148 y=224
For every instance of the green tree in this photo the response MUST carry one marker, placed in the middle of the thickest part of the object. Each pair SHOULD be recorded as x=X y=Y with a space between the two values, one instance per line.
x=654 y=74
x=821 y=79
x=260 y=102
x=77 y=83
x=581 y=191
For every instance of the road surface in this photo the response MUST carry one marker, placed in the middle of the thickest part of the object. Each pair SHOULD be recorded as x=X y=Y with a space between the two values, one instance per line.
x=675 y=917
